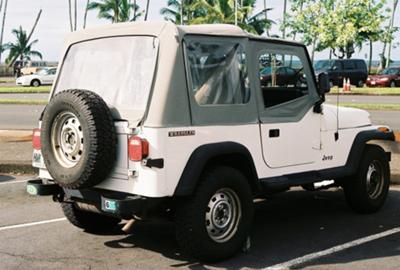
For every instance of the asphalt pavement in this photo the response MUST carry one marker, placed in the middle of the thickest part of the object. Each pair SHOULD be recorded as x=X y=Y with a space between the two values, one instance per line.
x=363 y=99
x=287 y=228
x=25 y=96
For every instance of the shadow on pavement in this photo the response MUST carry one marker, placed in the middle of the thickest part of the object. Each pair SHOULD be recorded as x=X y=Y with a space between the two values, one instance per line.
x=6 y=178
x=286 y=226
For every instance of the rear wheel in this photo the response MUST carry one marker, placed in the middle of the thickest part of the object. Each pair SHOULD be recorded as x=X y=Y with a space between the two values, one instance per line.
x=88 y=221
x=366 y=192
x=360 y=84
x=392 y=84
x=214 y=223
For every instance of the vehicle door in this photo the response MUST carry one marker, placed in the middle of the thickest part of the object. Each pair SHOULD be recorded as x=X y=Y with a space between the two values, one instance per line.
x=336 y=73
x=397 y=79
x=351 y=72
x=49 y=77
x=289 y=128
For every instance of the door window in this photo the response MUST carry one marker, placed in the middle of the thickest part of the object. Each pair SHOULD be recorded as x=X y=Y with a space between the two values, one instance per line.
x=282 y=78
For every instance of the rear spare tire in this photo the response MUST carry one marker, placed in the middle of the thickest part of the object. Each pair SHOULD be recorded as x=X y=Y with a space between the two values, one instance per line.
x=78 y=139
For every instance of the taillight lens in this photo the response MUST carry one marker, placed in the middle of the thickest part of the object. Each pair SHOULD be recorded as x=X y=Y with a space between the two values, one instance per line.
x=36 y=139
x=138 y=148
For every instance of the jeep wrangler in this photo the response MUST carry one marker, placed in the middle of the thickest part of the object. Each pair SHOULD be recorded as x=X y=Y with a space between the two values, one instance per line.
x=195 y=123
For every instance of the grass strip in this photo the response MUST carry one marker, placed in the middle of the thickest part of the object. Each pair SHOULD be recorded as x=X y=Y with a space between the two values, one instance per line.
x=373 y=106
x=24 y=90
x=384 y=91
x=23 y=101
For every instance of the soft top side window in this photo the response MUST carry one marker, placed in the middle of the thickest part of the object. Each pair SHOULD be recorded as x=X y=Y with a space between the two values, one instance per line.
x=218 y=73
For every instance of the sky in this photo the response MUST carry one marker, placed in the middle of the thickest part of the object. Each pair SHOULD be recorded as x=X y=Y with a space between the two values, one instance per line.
x=54 y=23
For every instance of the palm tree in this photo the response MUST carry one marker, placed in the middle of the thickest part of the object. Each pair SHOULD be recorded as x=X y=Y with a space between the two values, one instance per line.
x=147 y=10
x=2 y=27
x=22 y=48
x=116 y=10
x=388 y=37
x=223 y=11
x=174 y=11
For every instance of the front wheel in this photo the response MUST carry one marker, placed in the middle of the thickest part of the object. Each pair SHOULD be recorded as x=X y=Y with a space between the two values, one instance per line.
x=366 y=192
x=392 y=84
x=214 y=223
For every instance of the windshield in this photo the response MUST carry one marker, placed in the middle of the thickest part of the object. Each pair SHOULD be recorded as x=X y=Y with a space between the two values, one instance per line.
x=323 y=64
x=388 y=71
x=119 y=69
x=43 y=72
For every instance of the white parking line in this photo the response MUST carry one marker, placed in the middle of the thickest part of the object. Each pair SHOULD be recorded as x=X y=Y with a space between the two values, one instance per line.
x=329 y=251
x=13 y=182
x=31 y=224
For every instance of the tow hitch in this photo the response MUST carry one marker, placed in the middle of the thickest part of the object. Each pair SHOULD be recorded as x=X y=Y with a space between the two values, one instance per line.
x=38 y=188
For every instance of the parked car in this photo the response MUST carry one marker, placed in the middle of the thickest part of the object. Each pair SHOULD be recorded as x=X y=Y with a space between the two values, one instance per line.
x=44 y=77
x=388 y=77
x=158 y=120
x=283 y=75
x=339 y=69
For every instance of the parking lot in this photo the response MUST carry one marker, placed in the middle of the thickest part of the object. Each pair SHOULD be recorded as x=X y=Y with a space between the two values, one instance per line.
x=291 y=230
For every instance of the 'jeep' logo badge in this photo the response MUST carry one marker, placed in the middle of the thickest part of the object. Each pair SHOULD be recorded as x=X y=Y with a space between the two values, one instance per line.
x=181 y=133
x=325 y=158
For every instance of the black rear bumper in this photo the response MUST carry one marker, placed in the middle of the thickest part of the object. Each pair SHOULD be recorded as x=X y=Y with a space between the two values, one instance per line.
x=113 y=203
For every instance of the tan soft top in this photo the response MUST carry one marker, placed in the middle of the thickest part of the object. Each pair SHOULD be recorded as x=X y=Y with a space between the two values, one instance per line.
x=155 y=29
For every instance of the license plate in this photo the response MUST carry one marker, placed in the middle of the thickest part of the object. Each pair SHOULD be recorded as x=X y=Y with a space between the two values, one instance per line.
x=37 y=159
x=109 y=205
x=373 y=83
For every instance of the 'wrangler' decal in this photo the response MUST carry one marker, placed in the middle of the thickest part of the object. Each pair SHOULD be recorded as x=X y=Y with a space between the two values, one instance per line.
x=181 y=133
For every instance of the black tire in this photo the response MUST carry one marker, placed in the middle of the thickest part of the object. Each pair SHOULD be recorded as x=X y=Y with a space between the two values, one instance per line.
x=35 y=83
x=93 y=161
x=191 y=220
x=367 y=198
x=360 y=84
x=88 y=221
x=392 y=84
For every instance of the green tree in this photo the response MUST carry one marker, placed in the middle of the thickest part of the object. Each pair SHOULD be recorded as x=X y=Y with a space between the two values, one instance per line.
x=22 y=48
x=341 y=25
x=218 y=11
x=389 y=35
x=116 y=10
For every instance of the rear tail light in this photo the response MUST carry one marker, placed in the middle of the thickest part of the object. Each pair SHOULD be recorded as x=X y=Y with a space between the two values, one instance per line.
x=36 y=139
x=138 y=148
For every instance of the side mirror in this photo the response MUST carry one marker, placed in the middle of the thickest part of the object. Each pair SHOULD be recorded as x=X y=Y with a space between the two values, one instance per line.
x=324 y=85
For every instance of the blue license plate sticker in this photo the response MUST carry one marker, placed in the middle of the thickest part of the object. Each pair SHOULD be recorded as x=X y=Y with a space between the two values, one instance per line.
x=110 y=205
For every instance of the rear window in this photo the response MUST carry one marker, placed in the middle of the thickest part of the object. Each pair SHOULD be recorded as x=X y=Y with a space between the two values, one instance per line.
x=119 y=69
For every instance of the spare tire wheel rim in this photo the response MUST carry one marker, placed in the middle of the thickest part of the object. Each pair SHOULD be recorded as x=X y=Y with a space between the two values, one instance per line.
x=223 y=215
x=67 y=139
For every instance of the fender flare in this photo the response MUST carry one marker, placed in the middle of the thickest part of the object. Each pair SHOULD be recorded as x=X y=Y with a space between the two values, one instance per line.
x=199 y=158
x=357 y=149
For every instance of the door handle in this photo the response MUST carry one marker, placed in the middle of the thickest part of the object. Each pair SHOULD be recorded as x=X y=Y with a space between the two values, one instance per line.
x=274 y=133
